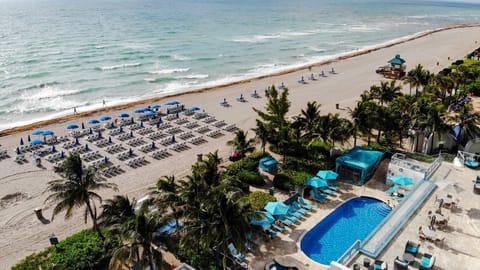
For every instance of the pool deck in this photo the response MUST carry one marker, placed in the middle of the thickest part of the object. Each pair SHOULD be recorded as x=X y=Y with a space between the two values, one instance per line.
x=460 y=248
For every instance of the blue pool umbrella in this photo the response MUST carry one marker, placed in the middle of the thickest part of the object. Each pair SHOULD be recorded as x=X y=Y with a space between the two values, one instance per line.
x=76 y=141
x=105 y=118
x=53 y=149
x=194 y=108
x=93 y=121
x=277 y=208
x=130 y=152
x=149 y=113
x=18 y=151
x=90 y=131
x=262 y=219
x=62 y=155
x=317 y=182
x=21 y=141
x=109 y=139
x=124 y=115
x=37 y=132
x=71 y=126
x=139 y=111
x=327 y=174
x=155 y=106
x=48 y=132
x=28 y=138
x=36 y=142
x=173 y=102
x=146 y=109
x=402 y=180
x=105 y=160
x=86 y=147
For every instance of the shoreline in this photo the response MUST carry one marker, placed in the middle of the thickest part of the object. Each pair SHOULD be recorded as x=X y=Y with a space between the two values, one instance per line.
x=69 y=117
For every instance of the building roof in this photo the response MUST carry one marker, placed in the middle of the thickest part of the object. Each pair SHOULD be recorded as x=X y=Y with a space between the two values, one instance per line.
x=397 y=60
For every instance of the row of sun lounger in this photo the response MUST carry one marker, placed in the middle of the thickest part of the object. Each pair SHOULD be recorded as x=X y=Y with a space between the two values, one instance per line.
x=219 y=123
x=29 y=148
x=230 y=127
x=214 y=133
x=171 y=117
x=111 y=171
x=77 y=150
x=54 y=157
x=123 y=137
x=90 y=156
x=136 y=142
x=3 y=153
x=146 y=148
x=181 y=121
x=135 y=126
x=164 y=126
x=145 y=131
x=173 y=130
x=209 y=119
x=191 y=125
x=68 y=145
x=180 y=147
x=200 y=115
x=79 y=133
x=185 y=135
x=156 y=135
x=125 y=155
x=97 y=163
x=114 y=132
x=160 y=154
x=93 y=137
x=202 y=129
x=101 y=143
x=136 y=162
x=197 y=140
x=20 y=158
x=166 y=141
x=114 y=148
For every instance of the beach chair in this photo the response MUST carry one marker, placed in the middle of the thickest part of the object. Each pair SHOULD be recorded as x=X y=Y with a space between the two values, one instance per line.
x=317 y=196
x=285 y=221
x=304 y=204
x=380 y=265
x=277 y=227
x=298 y=208
x=412 y=248
x=399 y=264
x=233 y=251
x=293 y=212
x=427 y=262
x=333 y=187
x=326 y=190
x=289 y=217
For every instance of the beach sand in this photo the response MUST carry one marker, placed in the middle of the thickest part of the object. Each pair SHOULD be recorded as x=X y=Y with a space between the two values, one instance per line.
x=21 y=233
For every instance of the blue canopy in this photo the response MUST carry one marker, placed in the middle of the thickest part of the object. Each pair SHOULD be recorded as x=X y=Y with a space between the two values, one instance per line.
x=146 y=109
x=327 y=174
x=402 y=180
x=155 y=106
x=35 y=142
x=149 y=113
x=263 y=219
x=277 y=208
x=48 y=132
x=194 y=108
x=139 y=111
x=37 y=132
x=173 y=102
x=397 y=60
x=317 y=182
x=170 y=227
x=93 y=121
x=124 y=115
x=105 y=118
x=72 y=126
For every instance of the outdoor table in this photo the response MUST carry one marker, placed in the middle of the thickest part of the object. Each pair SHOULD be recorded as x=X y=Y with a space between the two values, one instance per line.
x=429 y=233
x=408 y=257
x=447 y=200
x=438 y=217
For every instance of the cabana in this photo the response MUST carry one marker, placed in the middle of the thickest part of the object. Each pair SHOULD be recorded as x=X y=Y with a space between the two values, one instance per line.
x=358 y=165
x=268 y=164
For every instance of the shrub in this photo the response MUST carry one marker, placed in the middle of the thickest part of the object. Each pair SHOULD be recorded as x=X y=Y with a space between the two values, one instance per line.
x=299 y=178
x=256 y=156
x=258 y=199
x=251 y=178
x=282 y=182
x=34 y=261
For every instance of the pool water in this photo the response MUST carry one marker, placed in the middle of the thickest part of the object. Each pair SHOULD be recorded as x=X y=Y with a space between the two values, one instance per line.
x=353 y=220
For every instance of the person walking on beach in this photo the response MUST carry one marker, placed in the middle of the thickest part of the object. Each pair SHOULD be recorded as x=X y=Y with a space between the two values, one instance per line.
x=103 y=103
x=74 y=110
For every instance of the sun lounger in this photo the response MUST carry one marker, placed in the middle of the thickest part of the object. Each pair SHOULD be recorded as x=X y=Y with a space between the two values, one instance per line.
x=326 y=190
x=292 y=212
x=230 y=127
x=233 y=251
x=304 y=204
x=380 y=265
x=209 y=119
x=399 y=264
x=277 y=227
x=285 y=221
x=333 y=187
x=392 y=190
x=427 y=262
x=317 y=196
x=298 y=208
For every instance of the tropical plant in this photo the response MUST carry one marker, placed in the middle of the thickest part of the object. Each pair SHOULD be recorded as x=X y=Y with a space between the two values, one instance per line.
x=117 y=211
x=76 y=189
x=166 y=195
x=262 y=133
x=308 y=120
x=241 y=144
x=386 y=92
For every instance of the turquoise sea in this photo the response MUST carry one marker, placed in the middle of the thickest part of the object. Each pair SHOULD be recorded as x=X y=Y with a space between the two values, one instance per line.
x=60 y=54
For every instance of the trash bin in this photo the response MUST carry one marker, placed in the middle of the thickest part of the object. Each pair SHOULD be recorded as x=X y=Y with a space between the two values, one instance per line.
x=271 y=190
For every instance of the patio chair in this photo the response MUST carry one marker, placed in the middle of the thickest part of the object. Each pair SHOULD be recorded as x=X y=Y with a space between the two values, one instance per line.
x=240 y=257
x=427 y=261
x=298 y=208
x=412 y=248
x=399 y=264
x=285 y=221
x=304 y=204
x=380 y=265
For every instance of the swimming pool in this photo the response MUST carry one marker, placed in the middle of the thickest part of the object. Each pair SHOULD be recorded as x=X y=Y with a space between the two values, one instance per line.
x=353 y=220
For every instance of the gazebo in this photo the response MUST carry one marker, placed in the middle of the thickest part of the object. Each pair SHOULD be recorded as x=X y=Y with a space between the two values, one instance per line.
x=397 y=68
x=358 y=165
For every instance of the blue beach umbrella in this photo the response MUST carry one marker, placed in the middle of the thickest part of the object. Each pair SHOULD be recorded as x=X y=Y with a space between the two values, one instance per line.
x=48 y=132
x=90 y=131
x=105 y=118
x=62 y=155
x=72 y=126
x=139 y=111
x=155 y=106
x=109 y=139
x=37 y=132
x=76 y=141
x=146 y=109
x=18 y=151
x=124 y=115
x=54 y=149
x=262 y=219
x=105 y=160
x=149 y=113
x=317 y=182
x=194 y=108
x=86 y=148
x=28 y=138
x=327 y=174
x=100 y=135
x=36 y=142
x=93 y=121
x=173 y=102
x=132 y=120
x=402 y=180
x=21 y=141
x=141 y=124
x=277 y=208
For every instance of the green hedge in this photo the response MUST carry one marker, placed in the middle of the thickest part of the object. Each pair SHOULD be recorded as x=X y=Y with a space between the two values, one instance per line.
x=83 y=250
x=258 y=199
x=251 y=178
x=282 y=182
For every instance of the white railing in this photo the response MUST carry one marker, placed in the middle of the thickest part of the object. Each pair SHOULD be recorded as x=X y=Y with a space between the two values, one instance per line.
x=434 y=166
x=350 y=253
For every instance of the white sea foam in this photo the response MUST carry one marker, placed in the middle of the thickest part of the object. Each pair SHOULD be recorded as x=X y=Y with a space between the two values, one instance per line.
x=170 y=71
x=48 y=92
x=194 y=76
x=180 y=57
x=281 y=35
x=120 y=66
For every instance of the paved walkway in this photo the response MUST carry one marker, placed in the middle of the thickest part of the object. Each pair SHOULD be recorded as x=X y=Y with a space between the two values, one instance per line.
x=400 y=214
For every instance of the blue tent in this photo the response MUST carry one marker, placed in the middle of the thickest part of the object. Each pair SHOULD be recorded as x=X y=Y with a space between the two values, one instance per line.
x=358 y=165
x=194 y=108
x=124 y=115
x=268 y=164
x=139 y=111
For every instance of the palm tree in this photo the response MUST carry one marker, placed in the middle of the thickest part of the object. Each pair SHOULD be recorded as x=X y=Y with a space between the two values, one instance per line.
x=308 y=120
x=75 y=189
x=138 y=247
x=262 y=133
x=416 y=78
x=241 y=144
x=117 y=211
x=386 y=92
x=166 y=194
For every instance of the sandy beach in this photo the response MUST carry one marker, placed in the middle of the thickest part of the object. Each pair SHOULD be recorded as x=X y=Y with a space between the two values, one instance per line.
x=21 y=233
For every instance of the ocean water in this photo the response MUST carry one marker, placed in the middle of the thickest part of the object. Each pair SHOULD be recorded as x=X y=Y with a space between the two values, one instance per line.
x=60 y=54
